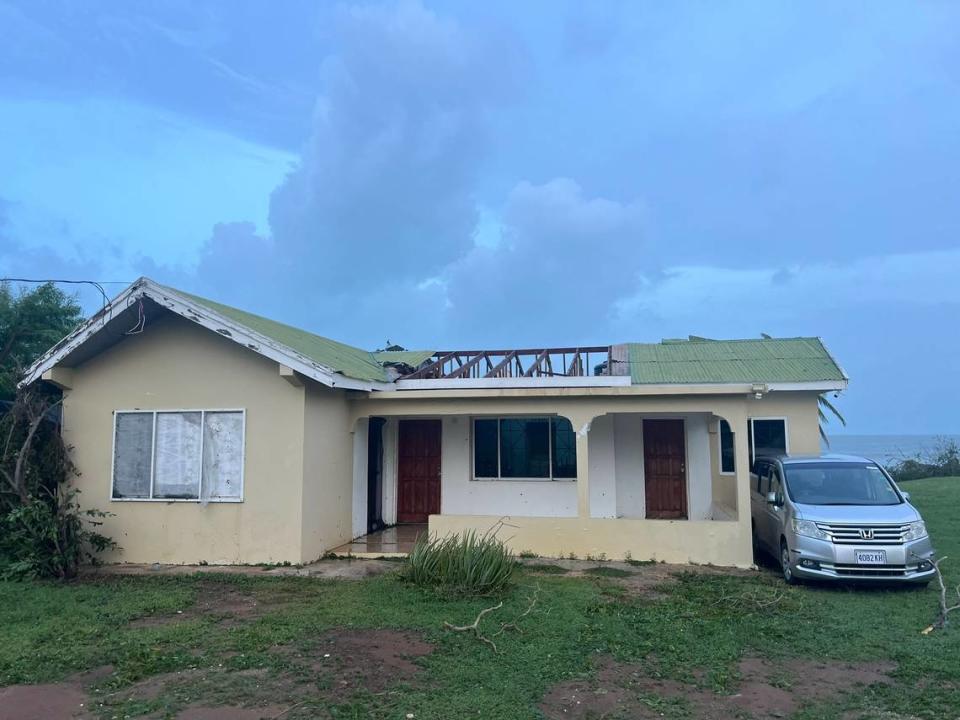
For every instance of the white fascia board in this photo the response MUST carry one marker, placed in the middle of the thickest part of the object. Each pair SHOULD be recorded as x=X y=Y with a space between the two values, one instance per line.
x=207 y=318
x=514 y=382
x=75 y=339
x=814 y=386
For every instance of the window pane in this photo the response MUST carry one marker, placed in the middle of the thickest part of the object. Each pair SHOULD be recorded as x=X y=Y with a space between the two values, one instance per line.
x=131 y=455
x=769 y=437
x=222 y=454
x=177 y=462
x=485 y=448
x=564 y=449
x=726 y=447
x=525 y=448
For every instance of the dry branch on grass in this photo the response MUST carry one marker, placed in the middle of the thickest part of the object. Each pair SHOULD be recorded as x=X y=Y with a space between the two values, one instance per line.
x=945 y=610
x=474 y=627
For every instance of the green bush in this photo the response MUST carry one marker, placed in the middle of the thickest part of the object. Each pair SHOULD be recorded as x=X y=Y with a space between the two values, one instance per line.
x=467 y=564
x=944 y=461
x=43 y=531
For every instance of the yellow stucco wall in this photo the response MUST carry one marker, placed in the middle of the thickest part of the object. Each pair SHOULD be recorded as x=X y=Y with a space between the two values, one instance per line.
x=803 y=434
x=327 y=472
x=674 y=541
x=175 y=364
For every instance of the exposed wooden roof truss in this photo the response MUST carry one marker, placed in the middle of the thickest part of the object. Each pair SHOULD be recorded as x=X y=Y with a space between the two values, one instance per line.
x=530 y=362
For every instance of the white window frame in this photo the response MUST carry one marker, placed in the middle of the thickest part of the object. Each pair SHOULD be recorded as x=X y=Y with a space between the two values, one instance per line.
x=720 y=448
x=498 y=478
x=753 y=435
x=153 y=454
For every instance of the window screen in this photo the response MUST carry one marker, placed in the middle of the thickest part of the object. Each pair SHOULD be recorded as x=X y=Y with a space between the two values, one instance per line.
x=524 y=448
x=190 y=455
x=176 y=471
x=222 y=454
x=132 y=446
x=727 y=464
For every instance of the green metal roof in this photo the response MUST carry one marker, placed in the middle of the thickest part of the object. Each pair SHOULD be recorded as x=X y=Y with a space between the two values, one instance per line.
x=345 y=359
x=413 y=358
x=699 y=360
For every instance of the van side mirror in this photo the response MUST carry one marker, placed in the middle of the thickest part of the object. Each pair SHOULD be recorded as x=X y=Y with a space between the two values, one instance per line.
x=772 y=498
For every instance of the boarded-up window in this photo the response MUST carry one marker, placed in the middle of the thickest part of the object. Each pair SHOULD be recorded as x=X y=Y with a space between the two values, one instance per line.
x=131 y=455
x=222 y=455
x=176 y=472
x=185 y=455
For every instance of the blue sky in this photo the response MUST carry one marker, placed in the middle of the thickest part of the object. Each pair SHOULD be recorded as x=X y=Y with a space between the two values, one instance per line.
x=501 y=173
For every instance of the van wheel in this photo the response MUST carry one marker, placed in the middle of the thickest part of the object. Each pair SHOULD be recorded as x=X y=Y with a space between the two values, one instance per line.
x=788 y=577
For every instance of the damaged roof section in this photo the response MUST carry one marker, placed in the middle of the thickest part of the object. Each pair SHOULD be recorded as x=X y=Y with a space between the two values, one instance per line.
x=562 y=362
x=791 y=363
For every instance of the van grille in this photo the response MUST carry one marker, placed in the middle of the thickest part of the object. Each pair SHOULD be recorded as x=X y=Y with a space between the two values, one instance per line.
x=864 y=534
x=878 y=571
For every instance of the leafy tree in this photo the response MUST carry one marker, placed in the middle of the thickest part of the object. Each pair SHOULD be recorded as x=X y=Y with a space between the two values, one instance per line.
x=43 y=530
x=31 y=321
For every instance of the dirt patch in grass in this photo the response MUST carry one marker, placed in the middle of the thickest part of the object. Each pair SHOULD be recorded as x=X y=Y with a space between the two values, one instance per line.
x=608 y=571
x=348 y=661
x=63 y=701
x=213 y=599
x=54 y=701
x=767 y=689
x=634 y=577
x=545 y=568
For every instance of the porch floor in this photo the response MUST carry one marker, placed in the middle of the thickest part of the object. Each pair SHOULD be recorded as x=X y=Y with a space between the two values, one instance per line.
x=395 y=541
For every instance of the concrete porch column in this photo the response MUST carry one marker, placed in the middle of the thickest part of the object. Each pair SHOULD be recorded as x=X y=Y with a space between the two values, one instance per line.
x=581 y=426
x=742 y=461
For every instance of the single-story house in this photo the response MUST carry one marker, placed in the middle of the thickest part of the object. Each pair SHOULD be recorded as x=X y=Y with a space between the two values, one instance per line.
x=215 y=435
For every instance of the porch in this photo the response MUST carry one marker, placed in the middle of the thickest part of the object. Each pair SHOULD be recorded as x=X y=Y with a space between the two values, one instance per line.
x=647 y=483
x=395 y=541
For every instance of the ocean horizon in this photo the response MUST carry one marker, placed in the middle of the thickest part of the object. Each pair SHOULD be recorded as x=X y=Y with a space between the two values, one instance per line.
x=887 y=449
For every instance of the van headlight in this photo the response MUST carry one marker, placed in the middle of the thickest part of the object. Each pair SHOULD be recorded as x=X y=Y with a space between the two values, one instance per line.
x=915 y=531
x=808 y=528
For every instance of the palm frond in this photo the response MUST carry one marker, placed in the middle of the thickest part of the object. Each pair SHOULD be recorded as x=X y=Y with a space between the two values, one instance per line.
x=823 y=402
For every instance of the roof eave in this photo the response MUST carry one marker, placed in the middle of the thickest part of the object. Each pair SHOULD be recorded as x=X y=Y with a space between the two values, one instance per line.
x=208 y=318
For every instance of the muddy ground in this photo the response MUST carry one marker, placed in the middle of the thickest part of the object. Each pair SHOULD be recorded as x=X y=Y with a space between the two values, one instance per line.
x=767 y=689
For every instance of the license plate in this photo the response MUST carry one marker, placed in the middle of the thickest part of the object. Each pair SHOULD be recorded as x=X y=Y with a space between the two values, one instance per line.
x=871 y=557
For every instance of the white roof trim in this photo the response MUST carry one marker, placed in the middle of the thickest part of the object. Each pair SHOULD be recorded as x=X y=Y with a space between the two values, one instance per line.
x=206 y=317
x=817 y=386
x=514 y=382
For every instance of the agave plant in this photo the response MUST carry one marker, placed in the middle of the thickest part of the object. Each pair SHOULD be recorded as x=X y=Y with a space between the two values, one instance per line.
x=824 y=406
x=460 y=564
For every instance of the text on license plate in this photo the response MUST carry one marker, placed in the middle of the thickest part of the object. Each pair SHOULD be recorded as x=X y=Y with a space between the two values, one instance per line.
x=871 y=557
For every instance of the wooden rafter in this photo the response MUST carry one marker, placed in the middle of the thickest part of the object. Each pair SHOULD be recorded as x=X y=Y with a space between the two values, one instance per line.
x=428 y=370
x=465 y=367
x=502 y=364
x=536 y=363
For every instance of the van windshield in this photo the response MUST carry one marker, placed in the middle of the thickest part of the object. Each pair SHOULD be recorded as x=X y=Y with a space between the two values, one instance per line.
x=840 y=484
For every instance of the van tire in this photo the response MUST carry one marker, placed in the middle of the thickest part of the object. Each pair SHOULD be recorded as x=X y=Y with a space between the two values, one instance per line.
x=787 y=569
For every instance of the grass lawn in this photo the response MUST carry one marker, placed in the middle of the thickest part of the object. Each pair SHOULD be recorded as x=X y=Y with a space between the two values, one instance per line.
x=704 y=644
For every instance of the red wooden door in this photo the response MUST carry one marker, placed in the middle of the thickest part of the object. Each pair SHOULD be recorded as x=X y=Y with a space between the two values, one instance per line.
x=418 y=470
x=665 y=468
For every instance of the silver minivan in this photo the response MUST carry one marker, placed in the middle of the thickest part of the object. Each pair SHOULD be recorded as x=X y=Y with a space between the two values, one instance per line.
x=837 y=517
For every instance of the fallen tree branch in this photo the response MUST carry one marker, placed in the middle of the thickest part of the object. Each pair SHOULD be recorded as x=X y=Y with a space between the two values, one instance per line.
x=474 y=627
x=941 y=622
